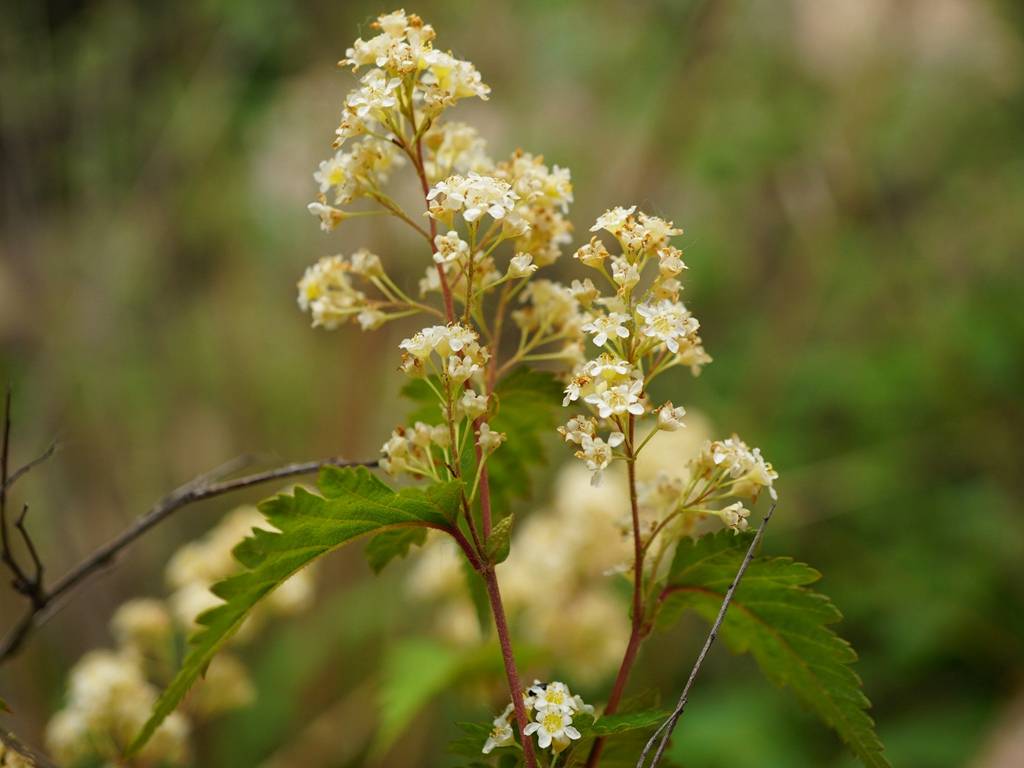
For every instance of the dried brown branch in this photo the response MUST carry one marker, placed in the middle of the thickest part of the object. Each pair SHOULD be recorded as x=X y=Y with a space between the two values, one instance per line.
x=665 y=729
x=44 y=602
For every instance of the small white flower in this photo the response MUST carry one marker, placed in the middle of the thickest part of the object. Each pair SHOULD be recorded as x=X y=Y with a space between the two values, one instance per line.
x=552 y=725
x=377 y=95
x=667 y=321
x=597 y=454
x=670 y=261
x=584 y=292
x=735 y=516
x=371 y=319
x=471 y=405
x=593 y=254
x=607 y=368
x=554 y=695
x=612 y=324
x=450 y=248
x=577 y=427
x=501 y=734
x=521 y=265
x=366 y=264
x=625 y=274
x=488 y=440
x=613 y=219
x=618 y=400
x=670 y=418
x=329 y=217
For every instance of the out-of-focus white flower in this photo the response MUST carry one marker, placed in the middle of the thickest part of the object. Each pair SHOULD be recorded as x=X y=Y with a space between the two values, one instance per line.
x=521 y=265
x=143 y=625
x=670 y=418
x=501 y=734
x=488 y=439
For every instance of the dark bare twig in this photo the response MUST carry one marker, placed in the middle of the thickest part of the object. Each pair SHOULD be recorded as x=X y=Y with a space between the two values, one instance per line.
x=206 y=486
x=31 y=586
x=17 y=474
x=666 y=728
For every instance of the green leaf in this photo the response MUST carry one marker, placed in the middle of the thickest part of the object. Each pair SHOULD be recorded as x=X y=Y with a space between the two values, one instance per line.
x=471 y=741
x=385 y=547
x=610 y=725
x=415 y=670
x=354 y=503
x=4 y=707
x=784 y=625
x=528 y=404
x=500 y=539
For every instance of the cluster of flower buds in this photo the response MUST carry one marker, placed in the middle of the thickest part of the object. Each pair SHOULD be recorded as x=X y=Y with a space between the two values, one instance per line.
x=551 y=708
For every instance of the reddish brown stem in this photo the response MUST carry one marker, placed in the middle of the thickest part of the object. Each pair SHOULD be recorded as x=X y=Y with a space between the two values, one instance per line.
x=449 y=308
x=487 y=572
x=639 y=628
x=515 y=686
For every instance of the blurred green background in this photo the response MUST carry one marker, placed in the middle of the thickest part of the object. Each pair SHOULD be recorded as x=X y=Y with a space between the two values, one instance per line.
x=850 y=175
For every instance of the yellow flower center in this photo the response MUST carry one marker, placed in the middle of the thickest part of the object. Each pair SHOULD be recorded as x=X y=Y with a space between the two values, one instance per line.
x=552 y=722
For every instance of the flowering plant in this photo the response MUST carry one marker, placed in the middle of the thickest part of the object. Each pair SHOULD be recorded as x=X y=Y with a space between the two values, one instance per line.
x=663 y=508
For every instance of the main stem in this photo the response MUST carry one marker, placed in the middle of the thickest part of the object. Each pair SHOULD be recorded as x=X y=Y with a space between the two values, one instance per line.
x=449 y=309
x=486 y=570
x=511 y=673
x=638 y=629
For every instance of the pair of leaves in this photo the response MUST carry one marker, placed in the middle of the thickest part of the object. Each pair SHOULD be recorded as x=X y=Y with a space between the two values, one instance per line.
x=354 y=502
x=785 y=626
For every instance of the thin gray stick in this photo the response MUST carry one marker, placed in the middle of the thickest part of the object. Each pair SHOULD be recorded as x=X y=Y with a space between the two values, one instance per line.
x=666 y=728
x=198 y=489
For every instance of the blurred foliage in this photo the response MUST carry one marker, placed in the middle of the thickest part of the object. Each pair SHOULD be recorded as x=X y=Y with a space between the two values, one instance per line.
x=851 y=181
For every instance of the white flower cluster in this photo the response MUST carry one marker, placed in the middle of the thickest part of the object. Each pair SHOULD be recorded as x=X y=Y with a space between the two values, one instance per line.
x=109 y=700
x=543 y=196
x=641 y=329
x=472 y=196
x=551 y=707
x=110 y=692
x=744 y=467
x=451 y=356
x=405 y=71
x=328 y=292
x=358 y=172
